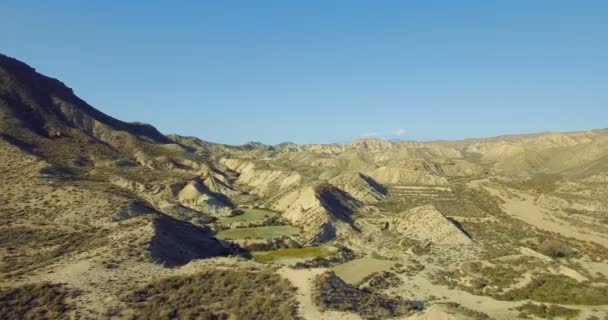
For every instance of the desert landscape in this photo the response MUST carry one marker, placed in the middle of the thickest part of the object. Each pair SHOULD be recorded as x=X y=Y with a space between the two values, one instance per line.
x=104 y=219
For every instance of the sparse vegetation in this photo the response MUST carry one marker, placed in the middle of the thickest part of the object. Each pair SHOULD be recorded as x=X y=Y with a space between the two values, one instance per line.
x=546 y=311
x=560 y=289
x=331 y=292
x=477 y=315
x=56 y=243
x=541 y=183
x=216 y=294
x=381 y=280
x=37 y=301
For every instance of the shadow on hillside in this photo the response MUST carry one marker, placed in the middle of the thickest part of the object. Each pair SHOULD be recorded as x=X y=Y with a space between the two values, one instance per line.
x=175 y=243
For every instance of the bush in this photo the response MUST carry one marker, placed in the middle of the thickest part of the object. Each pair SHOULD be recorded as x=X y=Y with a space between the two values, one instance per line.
x=555 y=249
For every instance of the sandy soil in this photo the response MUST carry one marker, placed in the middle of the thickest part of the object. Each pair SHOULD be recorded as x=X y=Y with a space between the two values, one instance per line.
x=354 y=271
x=524 y=207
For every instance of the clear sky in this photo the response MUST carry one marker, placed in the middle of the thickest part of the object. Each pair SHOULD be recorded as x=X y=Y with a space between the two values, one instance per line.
x=326 y=70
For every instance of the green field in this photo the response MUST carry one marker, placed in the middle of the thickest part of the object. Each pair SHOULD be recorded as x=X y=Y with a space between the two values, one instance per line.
x=249 y=215
x=267 y=232
x=294 y=253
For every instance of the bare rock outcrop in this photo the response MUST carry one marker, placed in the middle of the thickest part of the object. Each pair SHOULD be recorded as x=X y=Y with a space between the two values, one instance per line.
x=322 y=212
x=361 y=187
x=427 y=224
x=197 y=196
x=264 y=182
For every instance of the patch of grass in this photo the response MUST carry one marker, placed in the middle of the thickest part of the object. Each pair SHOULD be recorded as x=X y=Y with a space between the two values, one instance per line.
x=36 y=301
x=546 y=311
x=267 y=232
x=216 y=294
x=303 y=253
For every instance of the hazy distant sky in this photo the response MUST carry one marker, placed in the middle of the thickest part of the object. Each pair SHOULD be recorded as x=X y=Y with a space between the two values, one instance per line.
x=325 y=71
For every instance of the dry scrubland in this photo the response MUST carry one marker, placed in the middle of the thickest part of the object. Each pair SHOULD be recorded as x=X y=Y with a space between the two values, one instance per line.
x=103 y=219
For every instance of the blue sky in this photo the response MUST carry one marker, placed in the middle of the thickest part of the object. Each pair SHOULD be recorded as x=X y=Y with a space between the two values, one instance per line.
x=325 y=71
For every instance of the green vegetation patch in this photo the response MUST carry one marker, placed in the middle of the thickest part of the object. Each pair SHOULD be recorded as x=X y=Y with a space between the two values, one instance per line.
x=249 y=215
x=560 y=289
x=546 y=311
x=36 y=301
x=295 y=253
x=266 y=232
x=216 y=294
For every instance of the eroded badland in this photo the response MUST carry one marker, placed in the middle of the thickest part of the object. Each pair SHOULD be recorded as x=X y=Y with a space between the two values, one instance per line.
x=106 y=219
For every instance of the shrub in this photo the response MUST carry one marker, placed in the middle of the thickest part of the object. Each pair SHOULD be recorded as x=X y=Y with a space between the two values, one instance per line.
x=555 y=249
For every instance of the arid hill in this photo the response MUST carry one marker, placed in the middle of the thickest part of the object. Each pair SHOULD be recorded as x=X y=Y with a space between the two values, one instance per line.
x=102 y=218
